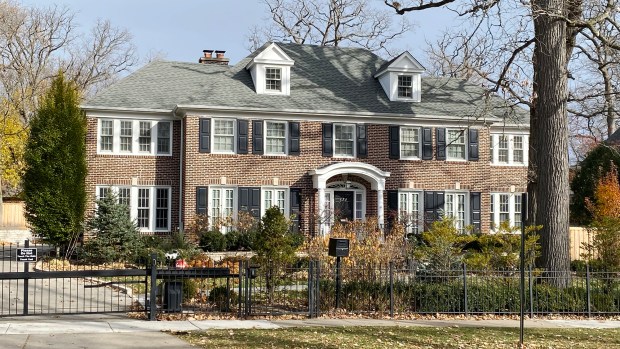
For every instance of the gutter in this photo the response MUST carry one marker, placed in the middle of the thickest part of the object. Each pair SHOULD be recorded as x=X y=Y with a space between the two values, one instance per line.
x=181 y=152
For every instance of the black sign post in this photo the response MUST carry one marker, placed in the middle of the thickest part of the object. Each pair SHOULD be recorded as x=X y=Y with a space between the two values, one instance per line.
x=338 y=248
x=522 y=266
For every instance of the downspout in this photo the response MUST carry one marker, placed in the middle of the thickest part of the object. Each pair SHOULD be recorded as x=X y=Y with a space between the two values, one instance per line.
x=181 y=154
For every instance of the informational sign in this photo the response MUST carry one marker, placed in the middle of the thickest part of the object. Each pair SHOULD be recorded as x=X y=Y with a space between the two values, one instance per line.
x=26 y=254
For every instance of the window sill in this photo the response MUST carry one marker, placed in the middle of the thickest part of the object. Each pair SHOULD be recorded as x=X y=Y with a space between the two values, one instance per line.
x=508 y=165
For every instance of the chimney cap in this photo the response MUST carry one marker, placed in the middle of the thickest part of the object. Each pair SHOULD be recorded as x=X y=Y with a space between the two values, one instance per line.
x=220 y=51
x=207 y=50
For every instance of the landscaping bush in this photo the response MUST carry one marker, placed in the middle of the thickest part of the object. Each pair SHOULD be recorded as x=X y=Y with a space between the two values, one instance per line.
x=218 y=295
x=213 y=241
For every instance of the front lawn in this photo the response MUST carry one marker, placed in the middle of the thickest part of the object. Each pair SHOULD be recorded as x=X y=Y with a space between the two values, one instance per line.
x=403 y=337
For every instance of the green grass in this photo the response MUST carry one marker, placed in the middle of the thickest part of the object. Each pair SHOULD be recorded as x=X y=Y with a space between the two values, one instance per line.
x=403 y=337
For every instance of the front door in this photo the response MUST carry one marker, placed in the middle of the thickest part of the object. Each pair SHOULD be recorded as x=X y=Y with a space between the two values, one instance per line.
x=343 y=205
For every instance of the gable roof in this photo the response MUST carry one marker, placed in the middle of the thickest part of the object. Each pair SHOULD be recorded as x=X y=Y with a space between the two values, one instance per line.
x=333 y=79
x=405 y=56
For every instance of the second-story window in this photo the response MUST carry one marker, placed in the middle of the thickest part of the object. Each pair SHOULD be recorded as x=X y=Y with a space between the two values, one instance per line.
x=508 y=149
x=126 y=136
x=223 y=136
x=135 y=137
x=145 y=136
x=405 y=89
x=273 y=79
x=163 y=138
x=275 y=137
x=502 y=149
x=344 y=140
x=456 y=145
x=409 y=142
x=517 y=149
x=106 y=135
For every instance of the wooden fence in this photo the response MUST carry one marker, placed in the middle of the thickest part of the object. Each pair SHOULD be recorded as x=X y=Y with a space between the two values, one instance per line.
x=578 y=236
x=13 y=215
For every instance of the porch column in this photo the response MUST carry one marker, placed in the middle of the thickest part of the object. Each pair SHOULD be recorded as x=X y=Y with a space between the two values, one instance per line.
x=321 y=211
x=380 y=213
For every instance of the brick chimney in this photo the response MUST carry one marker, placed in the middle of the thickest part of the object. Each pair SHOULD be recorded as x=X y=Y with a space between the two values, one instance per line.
x=208 y=58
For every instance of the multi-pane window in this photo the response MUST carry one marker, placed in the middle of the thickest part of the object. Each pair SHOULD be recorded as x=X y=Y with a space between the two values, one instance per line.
x=505 y=207
x=275 y=136
x=103 y=191
x=517 y=149
x=502 y=149
x=162 y=207
x=275 y=197
x=273 y=79
x=359 y=204
x=106 y=135
x=405 y=86
x=144 y=140
x=126 y=136
x=144 y=195
x=456 y=144
x=222 y=206
x=223 y=136
x=124 y=196
x=455 y=207
x=163 y=138
x=344 y=140
x=409 y=142
x=409 y=213
x=507 y=149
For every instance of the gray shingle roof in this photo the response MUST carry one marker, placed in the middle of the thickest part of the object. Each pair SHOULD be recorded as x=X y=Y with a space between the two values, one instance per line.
x=323 y=78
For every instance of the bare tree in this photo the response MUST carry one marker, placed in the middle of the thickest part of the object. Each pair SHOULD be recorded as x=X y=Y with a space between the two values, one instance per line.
x=35 y=44
x=329 y=23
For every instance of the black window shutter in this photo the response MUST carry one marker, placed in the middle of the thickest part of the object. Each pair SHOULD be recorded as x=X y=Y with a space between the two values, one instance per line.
x=427 y=143
x=474 y=206
x=433 y=205
x=473 y=144
x=441 y=143
x=362 y=141
x=205 y=135
x=328 y=139
x=249 y=201
x=294 y=138
x=392 y=208
x=242 y=136
x=201 y=200
x=257 y=137
x=296 y=209
x=394 y=142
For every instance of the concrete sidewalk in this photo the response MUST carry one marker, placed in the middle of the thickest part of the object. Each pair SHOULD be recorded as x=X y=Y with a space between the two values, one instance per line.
x=89 y=331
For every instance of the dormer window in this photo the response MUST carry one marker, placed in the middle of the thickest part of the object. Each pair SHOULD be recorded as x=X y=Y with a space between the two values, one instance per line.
x=405 y=86
x=273 y=79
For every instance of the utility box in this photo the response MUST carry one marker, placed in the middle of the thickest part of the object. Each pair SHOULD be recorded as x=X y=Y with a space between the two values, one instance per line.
x=173 y=296
x=338 y=247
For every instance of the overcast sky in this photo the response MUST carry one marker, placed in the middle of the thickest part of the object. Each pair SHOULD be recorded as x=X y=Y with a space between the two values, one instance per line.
x=181 y=29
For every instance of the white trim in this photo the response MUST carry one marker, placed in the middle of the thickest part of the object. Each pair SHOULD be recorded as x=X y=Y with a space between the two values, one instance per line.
x=234 y=136
x=372 y=174
x=360 y=189
x=400 y=143
x=495 y=222
x=222 y=207
x=353 y=140
x=419 y=227
x=465 y=145
x=494 y=149
x=135 y=134
x=286 y=137
x=466 y=211
x=286 y=209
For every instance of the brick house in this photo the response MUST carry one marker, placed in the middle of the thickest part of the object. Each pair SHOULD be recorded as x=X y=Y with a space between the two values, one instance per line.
x=325 y=133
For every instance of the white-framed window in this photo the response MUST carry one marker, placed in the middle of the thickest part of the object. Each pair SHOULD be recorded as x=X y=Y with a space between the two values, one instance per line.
x=344 y=140
x=224 y=136
x=405 y=86
x=410 y=210
x=273 y=79
x=505 y=207
x=275 y=137
x=134 y=137
x=455 y=206
x=509 y=149
x=276 y=196
x=222 y=205
x=409 y=142
x=149 y=207
x=456 y=145
x=358 y=193
x=106 y=136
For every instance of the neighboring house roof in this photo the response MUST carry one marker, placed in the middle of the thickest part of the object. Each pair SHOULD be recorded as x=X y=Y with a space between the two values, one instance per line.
x=331 y=79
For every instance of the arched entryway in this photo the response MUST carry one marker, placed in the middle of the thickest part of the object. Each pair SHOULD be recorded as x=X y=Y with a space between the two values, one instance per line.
x=345 y=195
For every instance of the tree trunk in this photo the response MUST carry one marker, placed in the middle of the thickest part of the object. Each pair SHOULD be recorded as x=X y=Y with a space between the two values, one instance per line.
x=552 y=189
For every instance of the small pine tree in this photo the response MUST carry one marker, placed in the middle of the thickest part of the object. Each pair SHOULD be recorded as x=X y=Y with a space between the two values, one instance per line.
x=116 y=236
x=55 y=157
x=274 y=243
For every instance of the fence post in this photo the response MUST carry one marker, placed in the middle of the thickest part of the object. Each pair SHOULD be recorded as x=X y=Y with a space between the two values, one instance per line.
x=153 y=299
x=26 y=279
x=310 y=289
x=531 y=292
x=465 y=289
x=317 y=288
x=391 y=289
x=588 y=289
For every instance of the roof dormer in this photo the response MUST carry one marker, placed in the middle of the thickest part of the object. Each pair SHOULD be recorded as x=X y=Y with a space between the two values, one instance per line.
x=271 y=71
x=401 y=78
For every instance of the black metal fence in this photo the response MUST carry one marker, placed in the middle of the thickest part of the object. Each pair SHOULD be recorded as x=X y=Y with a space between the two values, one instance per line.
x=241 y=289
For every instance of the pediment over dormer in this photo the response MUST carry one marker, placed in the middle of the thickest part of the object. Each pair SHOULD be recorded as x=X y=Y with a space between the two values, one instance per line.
x=271 y=71
x=401 y=78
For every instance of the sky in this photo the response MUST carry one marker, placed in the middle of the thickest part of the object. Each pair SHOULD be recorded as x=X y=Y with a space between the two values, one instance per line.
x=180 y=30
